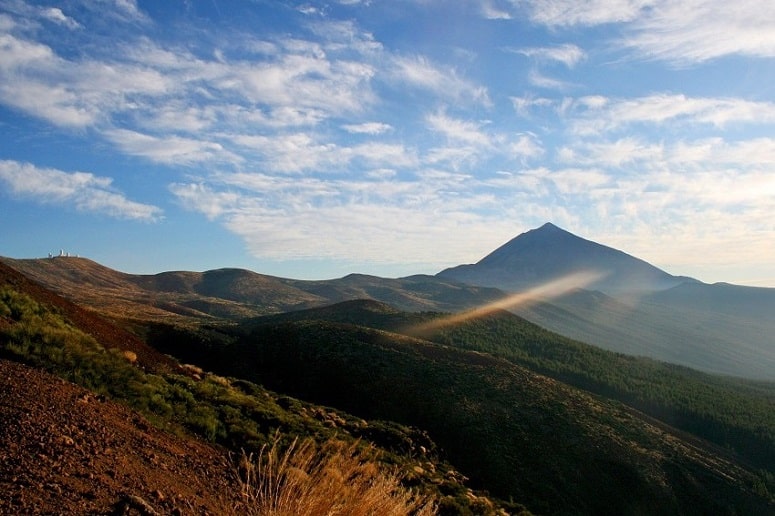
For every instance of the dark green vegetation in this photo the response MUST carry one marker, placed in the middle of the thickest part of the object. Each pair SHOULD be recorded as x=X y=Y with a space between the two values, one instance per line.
x=516 y=433
x=235 y=413
x=738 y=415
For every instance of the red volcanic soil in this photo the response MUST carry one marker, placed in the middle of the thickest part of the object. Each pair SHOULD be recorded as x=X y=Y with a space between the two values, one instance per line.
x=105 y=332
x=65 y=451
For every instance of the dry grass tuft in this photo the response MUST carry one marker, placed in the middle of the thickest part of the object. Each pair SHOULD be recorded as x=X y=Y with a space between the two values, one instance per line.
x=333 y=479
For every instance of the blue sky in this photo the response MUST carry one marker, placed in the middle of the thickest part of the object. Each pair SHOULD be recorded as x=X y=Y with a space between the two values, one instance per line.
x=314 y=139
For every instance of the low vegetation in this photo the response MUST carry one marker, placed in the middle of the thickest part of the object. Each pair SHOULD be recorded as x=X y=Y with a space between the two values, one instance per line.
x=332 y=479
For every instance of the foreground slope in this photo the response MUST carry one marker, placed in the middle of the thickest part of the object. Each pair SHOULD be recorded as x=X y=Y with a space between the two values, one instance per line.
x=64 y=450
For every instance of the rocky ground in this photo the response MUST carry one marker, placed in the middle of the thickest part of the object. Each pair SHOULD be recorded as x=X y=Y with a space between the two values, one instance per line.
x=64 y=450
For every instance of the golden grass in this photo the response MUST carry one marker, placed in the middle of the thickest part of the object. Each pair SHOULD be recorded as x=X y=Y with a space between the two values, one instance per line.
x=332 y=479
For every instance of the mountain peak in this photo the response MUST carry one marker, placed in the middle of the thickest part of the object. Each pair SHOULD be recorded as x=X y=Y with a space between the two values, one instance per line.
x=548 y=253
x=548 y=227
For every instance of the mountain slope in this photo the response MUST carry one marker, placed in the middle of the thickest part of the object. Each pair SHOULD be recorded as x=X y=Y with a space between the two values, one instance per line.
x=36 y=328
x=104 y=331
x=512 y=431
x=547 y=253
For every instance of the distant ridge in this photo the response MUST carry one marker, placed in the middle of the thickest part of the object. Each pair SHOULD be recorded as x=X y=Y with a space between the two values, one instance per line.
x=547 y=253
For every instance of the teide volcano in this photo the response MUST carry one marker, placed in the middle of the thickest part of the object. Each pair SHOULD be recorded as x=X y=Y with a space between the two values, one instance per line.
x=548 y=253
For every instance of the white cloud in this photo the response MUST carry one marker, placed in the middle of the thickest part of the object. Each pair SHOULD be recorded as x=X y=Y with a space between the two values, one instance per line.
x=333 y=219
x=540 y=80
x=564 y=13
x=568 y=54
x=611 y=154
x=460 y=131
x=368 y=128
x=525 y=146
x=171 y=150
x=525 y=104
x=303 y=80
x=491 y=12
x=56 y=15
x=683 y=32
x=595 y=114
x=442 y=82
x=698 y=30
x=83 y=190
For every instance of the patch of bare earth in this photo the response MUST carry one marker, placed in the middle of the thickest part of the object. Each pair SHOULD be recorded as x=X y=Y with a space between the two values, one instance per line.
x=65 y=451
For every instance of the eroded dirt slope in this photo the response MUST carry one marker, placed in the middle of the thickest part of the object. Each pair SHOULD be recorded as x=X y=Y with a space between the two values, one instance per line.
x=65 y=451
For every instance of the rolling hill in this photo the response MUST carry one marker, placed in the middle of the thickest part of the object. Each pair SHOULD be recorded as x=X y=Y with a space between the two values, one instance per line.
x=234 y=293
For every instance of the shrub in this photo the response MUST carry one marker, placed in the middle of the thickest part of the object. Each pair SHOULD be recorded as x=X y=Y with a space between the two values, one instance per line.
x=332 y=479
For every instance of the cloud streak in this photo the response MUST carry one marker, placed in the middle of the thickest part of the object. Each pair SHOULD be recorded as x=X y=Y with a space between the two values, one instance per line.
x=83 y=190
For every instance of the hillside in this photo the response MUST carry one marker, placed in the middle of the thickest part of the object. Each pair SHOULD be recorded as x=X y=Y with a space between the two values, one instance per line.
x=735 y=414
x=533 y=418
x=514 y=432
x=721 y=329
x=108 y=334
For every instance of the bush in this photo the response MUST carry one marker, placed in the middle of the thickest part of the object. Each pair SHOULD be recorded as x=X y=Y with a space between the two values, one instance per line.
x=333 y=479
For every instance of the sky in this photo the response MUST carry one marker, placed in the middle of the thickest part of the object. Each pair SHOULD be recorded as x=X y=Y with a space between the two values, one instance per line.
x=390 y=137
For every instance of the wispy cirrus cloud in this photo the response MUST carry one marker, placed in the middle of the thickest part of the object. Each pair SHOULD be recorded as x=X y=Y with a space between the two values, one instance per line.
x=170 y=150
x=596 y=114
x=469 y=142
x=683 y=33
x=690 y=31
x=444 y=82
x=568 y=54
x=346 y=213
x=56 y=15
x=83 y=190
x=564 y=13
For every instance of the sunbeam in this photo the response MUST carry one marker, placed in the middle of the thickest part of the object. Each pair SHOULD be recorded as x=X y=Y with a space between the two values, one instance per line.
x=546 y=291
